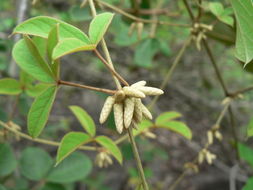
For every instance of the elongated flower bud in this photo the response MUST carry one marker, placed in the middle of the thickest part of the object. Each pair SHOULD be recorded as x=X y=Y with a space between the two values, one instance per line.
x=130 y=91
x=118 y=116
x=119 y=96
x=150 y=91
x=140 y=83
x=137 y=110
x=146 y=113
x=107 y=108
x=128 y=111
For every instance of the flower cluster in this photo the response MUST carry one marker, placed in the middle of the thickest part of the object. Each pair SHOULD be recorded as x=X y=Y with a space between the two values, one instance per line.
x=127 y=105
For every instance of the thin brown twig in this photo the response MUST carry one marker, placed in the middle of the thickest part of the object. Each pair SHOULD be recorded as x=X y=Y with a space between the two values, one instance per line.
x=137 y=19
x=107 y=91
x=120 y=78
x=38 y=140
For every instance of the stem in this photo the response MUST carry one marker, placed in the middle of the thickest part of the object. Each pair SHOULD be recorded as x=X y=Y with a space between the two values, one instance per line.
x=137 y=19
x=109 y=61
x=66 y=83
x=217 y=71
x=120 y=78
x=38 y=140
x=241 y=91
x=171 y=70
x=104 y=46
x=137 y=159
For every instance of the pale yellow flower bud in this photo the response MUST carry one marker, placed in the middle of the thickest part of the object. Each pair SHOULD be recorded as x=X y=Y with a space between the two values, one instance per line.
x=137 y=110
x=146 y=113
x=139 y=83
x=130 y=91
x=107 y=108
x=128 y=111
x=150 y=91
x=118 y=116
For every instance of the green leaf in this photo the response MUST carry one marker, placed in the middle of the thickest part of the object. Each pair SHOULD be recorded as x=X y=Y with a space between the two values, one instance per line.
x=249 y=184
x=178 y=127
x=227 y=19
x=142 y=126
x=167 y=116
x=70 y=143
x=35 y=90
x=70 y=45
x=244 y=35
x=42 y=25
x=149 y=48
x=246 y=153
x=39 y=111
x=34 y=66
x=85 y=120
x=10 y=86
x=98 y=27
x=35 y=163
x=53 y=39
x=110 y=146
x=216 y=8
x=7 y=160
x=75 y=167
x=250 y=128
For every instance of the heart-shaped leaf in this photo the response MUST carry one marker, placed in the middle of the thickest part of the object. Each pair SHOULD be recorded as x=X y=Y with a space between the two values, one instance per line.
x=69 y=143
x=39 y=111
x=110 y=146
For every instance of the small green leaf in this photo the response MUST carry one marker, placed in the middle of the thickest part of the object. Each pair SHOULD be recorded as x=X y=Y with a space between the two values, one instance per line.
x=35 y=163
x=35 y=90
x=42 y=25
x=249 y=184
x=34 y=66
x=216 y=8
x=39 y=111
x=53 y=186
x=110 y=146
x=178 y=127
x=227 y=19
x=75 y=167
x=70 y=45
x=70 y=143
x=244 y=29
x=10 y=86
x=246 y=153
x=167 y=116
x=8 y=162
x=98 y=27
x=85 y=120
x=142 y=126
x=53 y=39
x=250 y=128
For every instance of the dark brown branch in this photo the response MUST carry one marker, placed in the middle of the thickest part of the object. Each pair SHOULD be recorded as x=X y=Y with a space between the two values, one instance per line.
x=107 y=91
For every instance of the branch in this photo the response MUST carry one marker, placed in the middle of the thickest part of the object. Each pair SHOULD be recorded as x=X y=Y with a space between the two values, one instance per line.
x=117 y=75
x=107 y=91
x=38 y=140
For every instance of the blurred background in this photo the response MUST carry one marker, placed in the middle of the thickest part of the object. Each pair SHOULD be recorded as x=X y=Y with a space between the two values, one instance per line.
x=193 y=90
